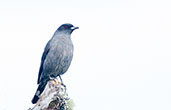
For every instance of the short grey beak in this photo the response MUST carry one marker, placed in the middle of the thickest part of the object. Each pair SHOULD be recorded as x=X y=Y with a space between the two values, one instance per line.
x=73 y=28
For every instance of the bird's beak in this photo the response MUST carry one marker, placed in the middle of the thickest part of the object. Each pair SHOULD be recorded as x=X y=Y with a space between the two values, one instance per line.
x=73 y=28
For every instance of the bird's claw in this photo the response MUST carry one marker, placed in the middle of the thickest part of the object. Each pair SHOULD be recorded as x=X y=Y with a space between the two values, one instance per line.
x=63 y=85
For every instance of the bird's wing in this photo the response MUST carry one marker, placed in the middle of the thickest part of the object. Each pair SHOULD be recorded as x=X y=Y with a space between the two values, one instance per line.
x=46 y=50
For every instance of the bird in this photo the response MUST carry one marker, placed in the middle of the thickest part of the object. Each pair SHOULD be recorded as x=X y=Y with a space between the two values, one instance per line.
x=56 y=58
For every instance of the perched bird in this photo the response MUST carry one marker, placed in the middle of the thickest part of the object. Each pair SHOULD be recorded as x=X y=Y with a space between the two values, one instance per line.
x=56 y=58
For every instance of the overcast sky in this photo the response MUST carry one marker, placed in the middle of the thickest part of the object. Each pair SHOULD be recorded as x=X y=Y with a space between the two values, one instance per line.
x=122 y=54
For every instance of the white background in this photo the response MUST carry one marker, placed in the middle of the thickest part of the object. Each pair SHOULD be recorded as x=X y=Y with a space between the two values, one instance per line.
x=122 y=56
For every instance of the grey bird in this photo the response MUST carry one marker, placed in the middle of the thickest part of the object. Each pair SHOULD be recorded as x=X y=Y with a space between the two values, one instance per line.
x=56 y=58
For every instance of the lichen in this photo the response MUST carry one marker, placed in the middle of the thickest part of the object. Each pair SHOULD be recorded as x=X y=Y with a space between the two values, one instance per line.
x=54 y=97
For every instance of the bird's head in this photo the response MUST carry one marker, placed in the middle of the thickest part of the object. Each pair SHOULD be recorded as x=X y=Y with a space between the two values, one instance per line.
x=67 y=28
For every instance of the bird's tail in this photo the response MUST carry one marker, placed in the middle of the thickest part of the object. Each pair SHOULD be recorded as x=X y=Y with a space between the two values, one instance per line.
x=40 y=89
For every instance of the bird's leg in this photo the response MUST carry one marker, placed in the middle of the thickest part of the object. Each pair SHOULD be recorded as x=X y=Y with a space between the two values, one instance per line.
x=62 y=81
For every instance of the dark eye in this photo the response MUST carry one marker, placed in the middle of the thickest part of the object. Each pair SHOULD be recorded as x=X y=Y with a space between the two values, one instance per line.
x=66 y=27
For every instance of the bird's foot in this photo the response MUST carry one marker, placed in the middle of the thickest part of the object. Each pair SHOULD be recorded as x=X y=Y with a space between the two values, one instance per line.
x=62 y=82
x=63 y=85
x=58 y=82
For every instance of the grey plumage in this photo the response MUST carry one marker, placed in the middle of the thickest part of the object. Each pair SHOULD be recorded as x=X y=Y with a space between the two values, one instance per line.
x=56 y=58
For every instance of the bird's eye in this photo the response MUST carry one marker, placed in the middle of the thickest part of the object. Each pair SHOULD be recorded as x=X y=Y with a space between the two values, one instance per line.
x=66 y=27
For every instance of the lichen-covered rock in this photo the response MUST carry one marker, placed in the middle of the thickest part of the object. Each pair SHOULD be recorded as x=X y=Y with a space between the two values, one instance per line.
x=54 y=97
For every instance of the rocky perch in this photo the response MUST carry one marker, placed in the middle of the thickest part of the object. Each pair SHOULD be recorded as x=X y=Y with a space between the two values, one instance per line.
x=54 y=97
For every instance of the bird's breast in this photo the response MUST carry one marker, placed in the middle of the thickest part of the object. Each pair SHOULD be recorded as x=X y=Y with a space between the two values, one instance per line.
x=59 y=58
